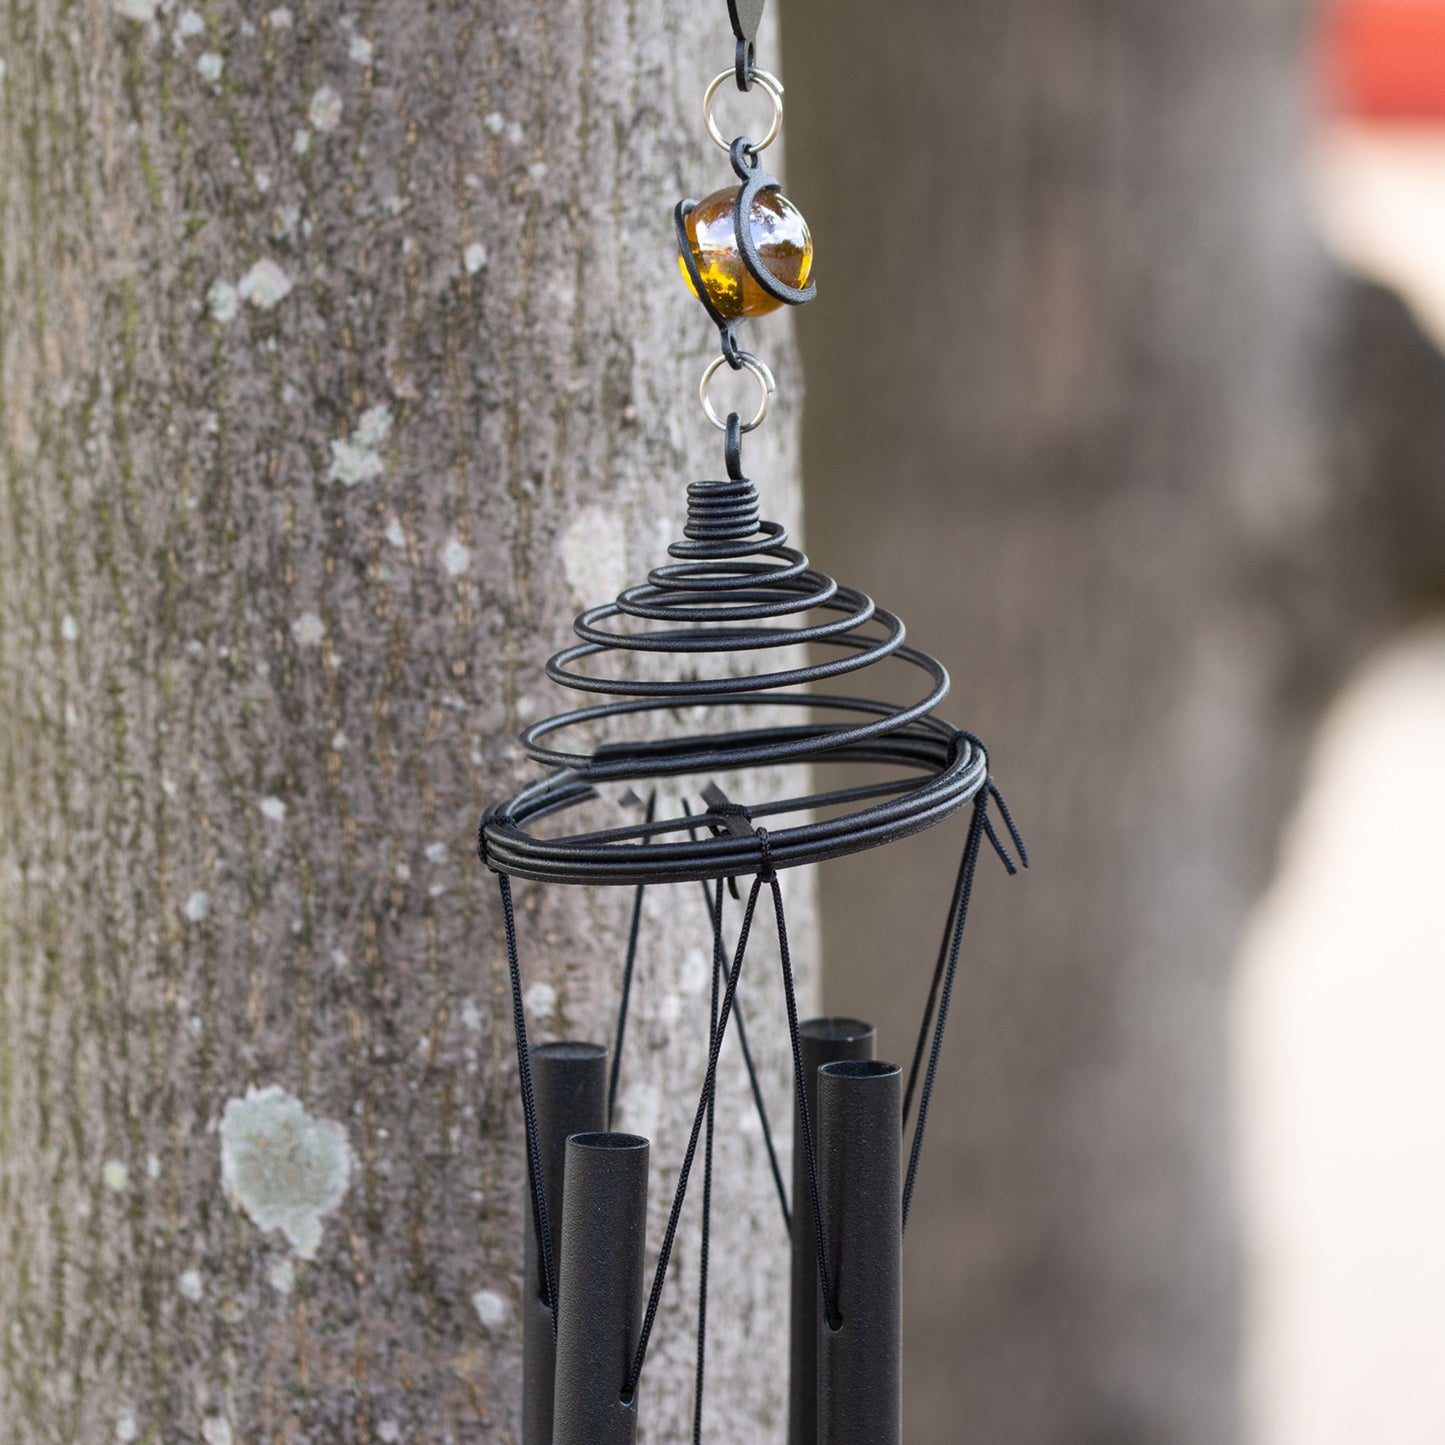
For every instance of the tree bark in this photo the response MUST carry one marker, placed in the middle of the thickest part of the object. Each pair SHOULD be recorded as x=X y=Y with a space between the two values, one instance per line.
x=1105 y=426
x=344 y=357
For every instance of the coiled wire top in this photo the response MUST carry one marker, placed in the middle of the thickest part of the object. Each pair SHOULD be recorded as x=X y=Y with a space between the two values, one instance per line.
x=736 y=586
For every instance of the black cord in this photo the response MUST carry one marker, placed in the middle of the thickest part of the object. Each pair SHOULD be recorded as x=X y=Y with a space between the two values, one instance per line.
x=753 y=1082
x=629 y=1385
x=960 y=917
x=529 y=1107
x=719 y=967
x=627 y=968
x=805 y=1125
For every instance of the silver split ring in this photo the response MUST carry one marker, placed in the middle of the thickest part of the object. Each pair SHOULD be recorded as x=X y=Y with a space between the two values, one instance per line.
x=764 y=378
x=771 y=85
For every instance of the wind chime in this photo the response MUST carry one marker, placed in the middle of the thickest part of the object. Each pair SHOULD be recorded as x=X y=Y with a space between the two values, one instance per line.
x=735 y=591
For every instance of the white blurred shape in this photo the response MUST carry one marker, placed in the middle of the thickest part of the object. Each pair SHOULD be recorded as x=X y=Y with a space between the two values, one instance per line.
x=1339 y=1034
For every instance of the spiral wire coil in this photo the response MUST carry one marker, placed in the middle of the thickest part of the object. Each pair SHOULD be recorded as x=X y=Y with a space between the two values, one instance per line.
x=736 y=586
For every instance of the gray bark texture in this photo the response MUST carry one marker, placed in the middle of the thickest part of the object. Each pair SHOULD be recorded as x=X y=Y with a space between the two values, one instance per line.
x=344 y=357
x=1105 y=427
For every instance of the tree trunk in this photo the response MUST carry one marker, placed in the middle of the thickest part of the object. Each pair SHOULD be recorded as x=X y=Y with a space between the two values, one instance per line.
x=1104 y=426
x=344 y=358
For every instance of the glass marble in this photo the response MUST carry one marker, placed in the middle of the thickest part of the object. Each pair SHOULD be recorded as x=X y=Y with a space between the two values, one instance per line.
x=780 y=234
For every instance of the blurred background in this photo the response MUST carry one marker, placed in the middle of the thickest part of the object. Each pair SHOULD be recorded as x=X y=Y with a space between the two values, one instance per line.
x=1126 y=392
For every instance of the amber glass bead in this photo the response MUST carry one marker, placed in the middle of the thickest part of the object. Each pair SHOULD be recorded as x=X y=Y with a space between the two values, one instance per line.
x=780 y=234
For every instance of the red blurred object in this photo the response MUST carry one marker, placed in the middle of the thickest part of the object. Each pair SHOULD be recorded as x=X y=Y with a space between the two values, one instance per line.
x=1385 y=59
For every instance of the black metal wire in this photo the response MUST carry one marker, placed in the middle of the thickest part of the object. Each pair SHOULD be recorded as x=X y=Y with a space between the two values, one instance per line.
x=735 y=587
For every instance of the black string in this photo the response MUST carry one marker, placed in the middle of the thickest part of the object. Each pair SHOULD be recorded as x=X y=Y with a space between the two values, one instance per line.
x=719 y=967
x=830 y=1304
x=960 y=917
x=943 y=943
x=933 y=988
x=529 y=1107
x=757 y=1089
x=709 y=1079
x=622 y=1006
x=753 y=1083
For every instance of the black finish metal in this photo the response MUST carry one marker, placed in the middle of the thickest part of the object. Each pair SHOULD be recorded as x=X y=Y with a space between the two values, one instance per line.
x=604 y=1226
x=824 y=1041
x=754 y=178
x=570 y=1080
x=746 y=17
x=859 y=1389
x=733 y=573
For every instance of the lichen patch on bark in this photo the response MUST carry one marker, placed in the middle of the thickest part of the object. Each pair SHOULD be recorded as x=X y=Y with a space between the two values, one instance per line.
x=284 y=1168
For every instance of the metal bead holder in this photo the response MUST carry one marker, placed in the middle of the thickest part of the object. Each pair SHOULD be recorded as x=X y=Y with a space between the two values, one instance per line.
x=732 y=615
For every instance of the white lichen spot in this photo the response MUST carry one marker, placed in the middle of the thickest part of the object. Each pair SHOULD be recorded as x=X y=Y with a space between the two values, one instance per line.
x=138 y=10
x=286 y=1169
x=542 y=1000
x=537 y=170
x=189 y=24
x=222 y=301
x=496 y=122
x=324 y=112
x=374 y=426
x=301 y=142
x=197 y=907
x=286 y=220
x=126 y=1428
x=394 y=533
x=474 y=257
x=282 y=1276
x=471 y=1016
x=456 y=557
x=279 y=18
x=360 y=50
x=273 y=809
x=357 y=459
x=339 y=741
x=403 y=872
x=263 y=181
x=69 y=628
x=436 y=853
x=153 y=1167
x=388 y=1432
x=216 y=1430
x=492 y=1309
x=210 y=66
x=308 y=629
x=115 y=1176
x=189 y=1284
x=594 y=554
x=352 y=463
x=264 y=285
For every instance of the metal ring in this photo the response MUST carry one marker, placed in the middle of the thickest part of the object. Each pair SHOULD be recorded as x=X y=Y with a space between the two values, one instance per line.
x=774 y=88
x=761 y=374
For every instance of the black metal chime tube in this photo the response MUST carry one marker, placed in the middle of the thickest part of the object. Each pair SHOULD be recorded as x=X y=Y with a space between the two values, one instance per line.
x=570 y=1081
x=859 y=1146
x=604 y=1226
x=824 y=1041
